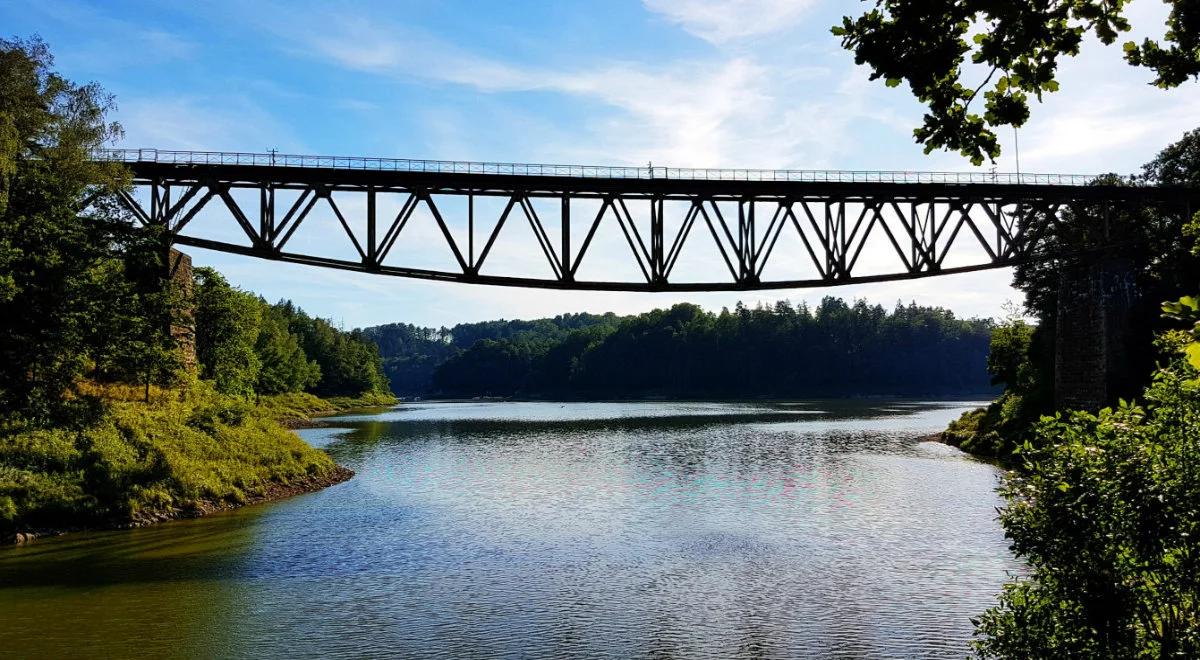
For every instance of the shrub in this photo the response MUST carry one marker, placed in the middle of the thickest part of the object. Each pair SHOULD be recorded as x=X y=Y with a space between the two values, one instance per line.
x=1107 y=514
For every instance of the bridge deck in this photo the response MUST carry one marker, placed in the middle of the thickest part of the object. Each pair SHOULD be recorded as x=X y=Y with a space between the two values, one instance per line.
x=915 y=218
x=650 y=172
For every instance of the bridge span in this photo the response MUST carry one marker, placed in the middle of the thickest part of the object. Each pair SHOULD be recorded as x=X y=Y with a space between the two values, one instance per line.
x=918 y=219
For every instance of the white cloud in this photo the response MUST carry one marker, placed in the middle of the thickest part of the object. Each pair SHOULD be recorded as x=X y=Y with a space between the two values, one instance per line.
x=706 y=112
x=202 y=123
x=721 y=21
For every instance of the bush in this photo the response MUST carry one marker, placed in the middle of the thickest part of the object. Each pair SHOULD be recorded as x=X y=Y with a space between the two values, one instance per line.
x=1107 y=514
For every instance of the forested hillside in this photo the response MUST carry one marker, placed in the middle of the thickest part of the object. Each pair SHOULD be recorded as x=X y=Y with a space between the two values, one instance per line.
x=836 y=349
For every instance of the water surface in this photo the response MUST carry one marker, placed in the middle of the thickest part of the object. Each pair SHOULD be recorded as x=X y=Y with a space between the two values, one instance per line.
x=818 y=529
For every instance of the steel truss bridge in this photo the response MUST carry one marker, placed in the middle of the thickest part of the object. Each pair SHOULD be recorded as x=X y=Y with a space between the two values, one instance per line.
x=920 y=217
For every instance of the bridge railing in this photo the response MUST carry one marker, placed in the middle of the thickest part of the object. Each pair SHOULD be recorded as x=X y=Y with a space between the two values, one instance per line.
x=273 y=159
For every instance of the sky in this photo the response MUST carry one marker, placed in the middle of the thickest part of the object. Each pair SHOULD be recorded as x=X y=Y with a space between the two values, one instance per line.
x=684 y=83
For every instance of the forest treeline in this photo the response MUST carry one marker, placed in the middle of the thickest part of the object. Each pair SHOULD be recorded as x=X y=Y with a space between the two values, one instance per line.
x=781 y=350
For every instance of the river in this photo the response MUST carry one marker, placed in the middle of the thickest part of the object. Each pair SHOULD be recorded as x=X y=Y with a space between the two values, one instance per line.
x=814 y=529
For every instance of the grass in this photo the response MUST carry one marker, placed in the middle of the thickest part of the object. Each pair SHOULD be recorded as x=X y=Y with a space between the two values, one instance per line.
x=175 y=455
x=302 y=405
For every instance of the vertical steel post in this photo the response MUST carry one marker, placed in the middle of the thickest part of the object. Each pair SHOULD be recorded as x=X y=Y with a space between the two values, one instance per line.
x=565 y=218
x=372 y=244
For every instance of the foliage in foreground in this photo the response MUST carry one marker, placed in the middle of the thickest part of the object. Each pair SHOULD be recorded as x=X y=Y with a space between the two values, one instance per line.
x=81 y=291
x=182 y=450
x=1107 y=514
x=998 y=429
x=1015 y=47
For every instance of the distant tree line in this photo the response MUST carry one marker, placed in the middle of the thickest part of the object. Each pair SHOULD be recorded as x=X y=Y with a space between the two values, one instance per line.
x=411 y=354
x=836 y=349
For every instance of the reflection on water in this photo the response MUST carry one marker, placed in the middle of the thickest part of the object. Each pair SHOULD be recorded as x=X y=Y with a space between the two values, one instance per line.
x=556 y=530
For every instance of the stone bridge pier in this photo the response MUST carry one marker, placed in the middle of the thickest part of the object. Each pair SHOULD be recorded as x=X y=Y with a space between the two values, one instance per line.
x=183 y=324
x=1091 y=353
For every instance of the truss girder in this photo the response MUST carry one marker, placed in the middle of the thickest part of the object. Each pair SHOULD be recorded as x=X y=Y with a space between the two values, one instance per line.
x=912 y=228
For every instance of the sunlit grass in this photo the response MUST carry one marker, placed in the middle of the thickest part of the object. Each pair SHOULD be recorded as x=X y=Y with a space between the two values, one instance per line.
x=185 y=449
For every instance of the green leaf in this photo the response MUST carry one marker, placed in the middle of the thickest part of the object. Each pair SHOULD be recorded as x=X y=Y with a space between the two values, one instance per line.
x=1193 y=354
x=892 y=82
x=1129 y=47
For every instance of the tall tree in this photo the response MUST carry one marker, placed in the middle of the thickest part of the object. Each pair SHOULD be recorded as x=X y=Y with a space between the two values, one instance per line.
x=975 y=63
x=70 y=295
x=284 y=366
x=227 y=330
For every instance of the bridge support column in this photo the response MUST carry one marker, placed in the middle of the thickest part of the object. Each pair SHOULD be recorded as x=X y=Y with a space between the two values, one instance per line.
x=1091 y=360
x=183 y=324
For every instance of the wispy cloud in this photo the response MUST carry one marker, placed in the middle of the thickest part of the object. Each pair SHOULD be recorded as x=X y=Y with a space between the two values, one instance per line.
x=139 y=43
x=709 y=111
x=722 y=21
x=202 y=123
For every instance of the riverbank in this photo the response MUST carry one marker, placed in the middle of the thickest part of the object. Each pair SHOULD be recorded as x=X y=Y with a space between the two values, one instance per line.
x=185 y=453
x=301 y=410
x=976 y=432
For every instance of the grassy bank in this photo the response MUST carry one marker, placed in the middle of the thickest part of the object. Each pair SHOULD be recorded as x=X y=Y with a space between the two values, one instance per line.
x=184 y=453
x=297 y=408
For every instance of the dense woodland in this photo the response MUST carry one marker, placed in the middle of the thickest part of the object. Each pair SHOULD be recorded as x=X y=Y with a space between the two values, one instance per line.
x=411 y=354
x=835 y=349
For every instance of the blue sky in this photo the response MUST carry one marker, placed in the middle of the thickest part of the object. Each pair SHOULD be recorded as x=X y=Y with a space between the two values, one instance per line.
x=742 y=83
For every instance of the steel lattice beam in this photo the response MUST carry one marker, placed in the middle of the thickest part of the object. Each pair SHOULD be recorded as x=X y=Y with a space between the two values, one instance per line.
x=921 y=223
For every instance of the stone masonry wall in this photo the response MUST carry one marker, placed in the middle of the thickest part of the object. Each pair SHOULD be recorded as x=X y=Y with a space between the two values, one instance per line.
x=1090 y=357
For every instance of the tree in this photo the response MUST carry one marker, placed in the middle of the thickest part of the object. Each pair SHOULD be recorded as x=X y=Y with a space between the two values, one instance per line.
x=80 y=290
x=1144 y=241
x=227 y=330
x=1014 y=47
x=764 y=351
x=1008 y=353
x=349 y=363
x=283 y=365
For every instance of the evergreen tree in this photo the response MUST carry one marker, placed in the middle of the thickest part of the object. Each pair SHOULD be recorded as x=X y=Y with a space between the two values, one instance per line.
x=227 y=331
x=283 y=365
